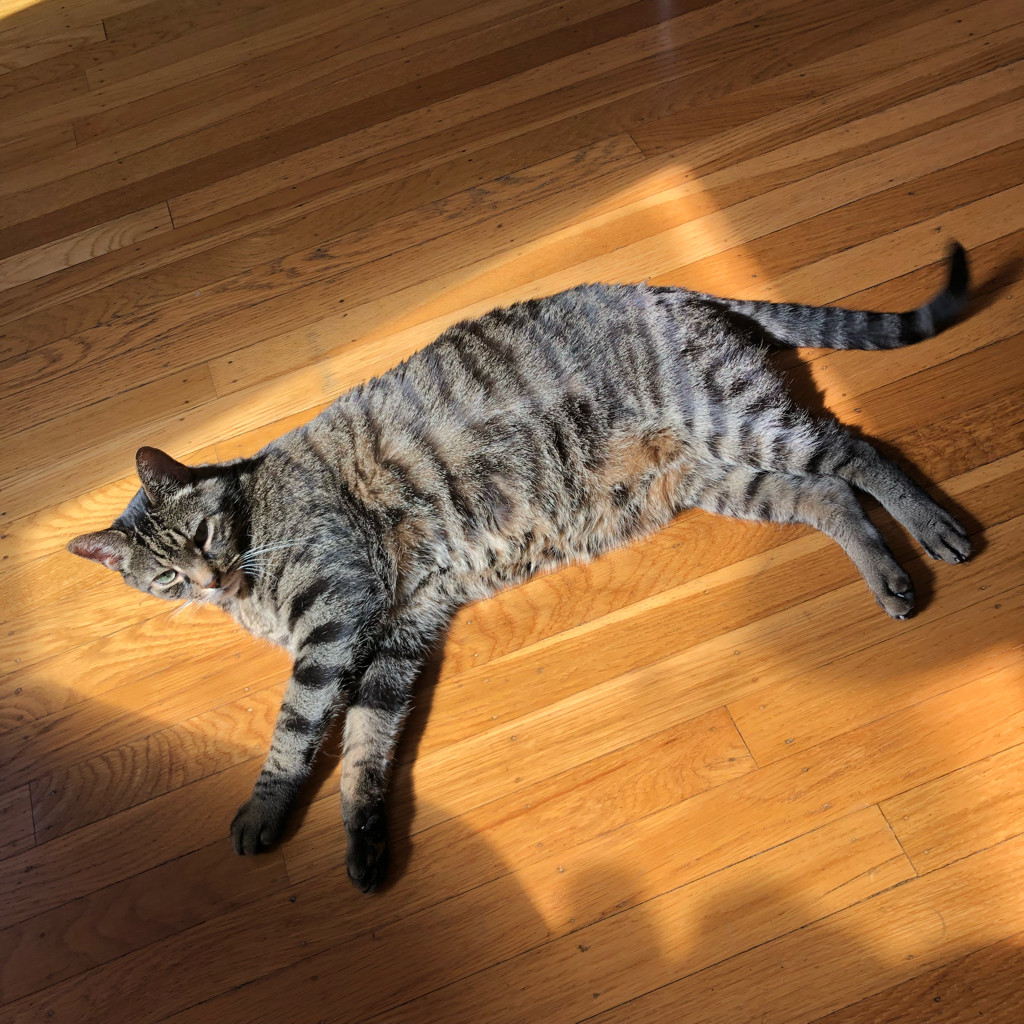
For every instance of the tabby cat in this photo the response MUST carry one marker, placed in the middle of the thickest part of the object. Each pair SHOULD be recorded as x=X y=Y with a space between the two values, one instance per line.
x=539 y=434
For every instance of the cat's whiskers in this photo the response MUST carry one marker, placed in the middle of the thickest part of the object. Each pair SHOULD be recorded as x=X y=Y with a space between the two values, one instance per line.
x=252 y=563
x=277 y=546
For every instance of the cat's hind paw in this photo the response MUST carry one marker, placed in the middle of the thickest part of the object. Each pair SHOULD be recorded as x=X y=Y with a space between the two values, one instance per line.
x=944 y=538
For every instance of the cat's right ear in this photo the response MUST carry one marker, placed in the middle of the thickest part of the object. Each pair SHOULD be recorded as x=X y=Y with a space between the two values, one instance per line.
x=108 y=547
x=159 y=473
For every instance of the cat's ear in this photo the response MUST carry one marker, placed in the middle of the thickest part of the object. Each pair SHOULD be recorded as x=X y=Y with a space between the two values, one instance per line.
x=159 y=473
x=108 y=547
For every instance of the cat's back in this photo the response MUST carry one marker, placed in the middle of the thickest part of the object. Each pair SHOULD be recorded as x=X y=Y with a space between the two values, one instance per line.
x=602 y=356
x=601 y=339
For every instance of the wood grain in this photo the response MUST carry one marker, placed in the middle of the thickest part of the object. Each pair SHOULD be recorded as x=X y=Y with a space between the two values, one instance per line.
x=824 y=871
x=16 y=822
x=888 y=939
x=981 y=984
x=86 y=245
x=952 y=817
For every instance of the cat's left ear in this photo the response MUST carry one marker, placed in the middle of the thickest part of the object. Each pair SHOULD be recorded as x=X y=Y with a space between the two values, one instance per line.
x=108 y=547
x=160 y=474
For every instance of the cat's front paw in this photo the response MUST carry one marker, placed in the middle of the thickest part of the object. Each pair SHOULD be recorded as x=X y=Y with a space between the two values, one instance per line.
x=257 y=825
x=368 y=851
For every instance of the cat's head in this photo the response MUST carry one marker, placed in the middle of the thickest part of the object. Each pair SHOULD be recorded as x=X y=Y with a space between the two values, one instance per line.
x=181 y=536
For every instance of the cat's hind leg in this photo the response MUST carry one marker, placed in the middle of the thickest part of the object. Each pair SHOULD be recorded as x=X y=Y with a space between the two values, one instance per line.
x=826 y=503
x=940 y=534
x=806 y=446
x=742 y=414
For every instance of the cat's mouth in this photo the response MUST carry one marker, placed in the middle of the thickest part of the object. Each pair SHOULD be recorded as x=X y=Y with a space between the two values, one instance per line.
x=230 y=585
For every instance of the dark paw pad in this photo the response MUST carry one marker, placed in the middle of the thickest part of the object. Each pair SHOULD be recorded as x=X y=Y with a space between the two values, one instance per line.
x=368 y=853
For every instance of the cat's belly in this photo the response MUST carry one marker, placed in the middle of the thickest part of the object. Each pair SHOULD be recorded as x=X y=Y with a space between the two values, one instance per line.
x=619 y=508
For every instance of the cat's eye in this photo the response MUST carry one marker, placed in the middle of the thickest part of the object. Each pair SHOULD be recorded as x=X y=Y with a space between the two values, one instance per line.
x=166 y=577
x=202 y=535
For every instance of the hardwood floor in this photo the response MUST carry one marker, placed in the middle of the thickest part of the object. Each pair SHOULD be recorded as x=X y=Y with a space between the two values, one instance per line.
x=703 y=779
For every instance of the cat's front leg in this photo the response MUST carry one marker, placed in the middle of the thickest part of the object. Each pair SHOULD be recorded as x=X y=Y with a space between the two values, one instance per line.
x=372 y=725
x=324 y=671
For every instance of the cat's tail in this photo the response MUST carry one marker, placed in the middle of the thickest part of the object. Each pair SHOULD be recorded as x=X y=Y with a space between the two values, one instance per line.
x=794 y=326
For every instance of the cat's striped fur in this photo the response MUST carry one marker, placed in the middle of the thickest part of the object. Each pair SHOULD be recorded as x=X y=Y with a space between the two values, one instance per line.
x=545 y=432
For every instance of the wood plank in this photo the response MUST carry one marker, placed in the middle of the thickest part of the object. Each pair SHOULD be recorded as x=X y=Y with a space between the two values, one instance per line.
x=428 y=38
x=143 y=708
x=62 y=433
x=151 y=169
x=400 y=132
x=86 y=245
x=775 y=724
x=865 y=76
x=704 y=752
x=63 y=871
x=70 y=796
x=231 y=250
x=710 y=34
x=317 y=260
x=566 y=134
x=70 y=12
x=988 y=321
x=789 y=250
x=959 y=814
x=992 y=210
x=714 y=822
x=26 y=44
x=528 y=269
x=40 y=87
x=867 y=948
x=819 y=873
x=915 y=741
x=258 y=47
x=36 y=147
x=713 y=755
x=982 y=984
x=16 y=828
x=71 y=105
x=59 y=682
x=165 y=900
x=169 y=40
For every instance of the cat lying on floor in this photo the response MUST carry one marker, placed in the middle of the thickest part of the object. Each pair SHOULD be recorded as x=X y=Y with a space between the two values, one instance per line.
x=543 y=433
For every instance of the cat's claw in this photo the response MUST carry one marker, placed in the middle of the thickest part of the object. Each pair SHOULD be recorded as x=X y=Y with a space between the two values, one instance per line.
x=257 y=826
x=894 y=591
x=367 y=857
x=943 y=538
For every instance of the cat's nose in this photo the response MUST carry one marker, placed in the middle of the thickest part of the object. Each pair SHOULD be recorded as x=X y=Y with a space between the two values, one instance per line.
x=214 y=582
